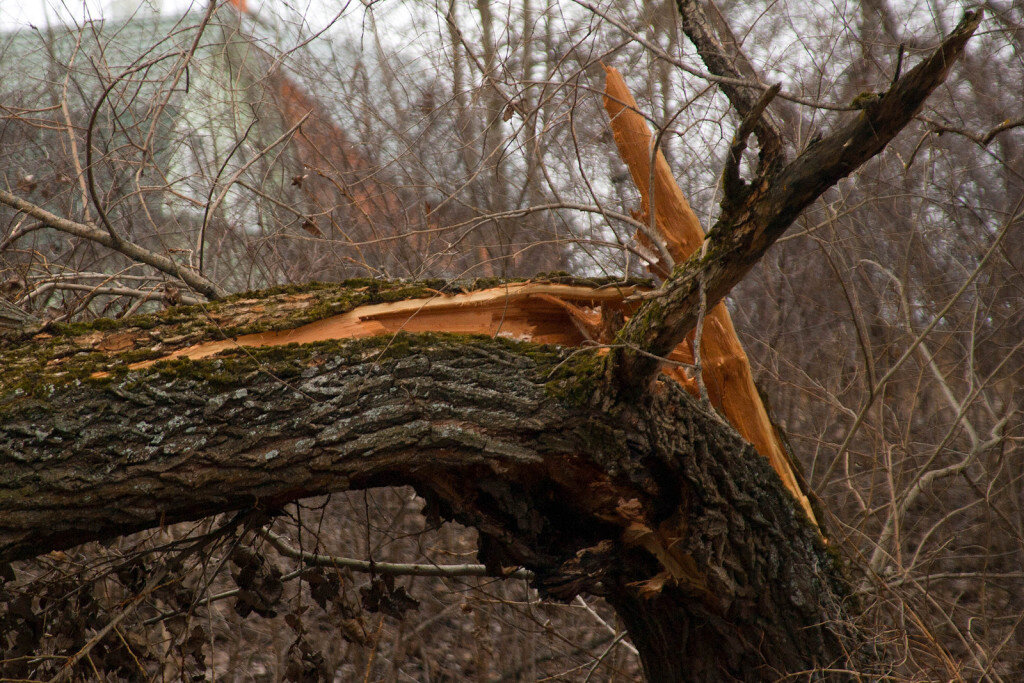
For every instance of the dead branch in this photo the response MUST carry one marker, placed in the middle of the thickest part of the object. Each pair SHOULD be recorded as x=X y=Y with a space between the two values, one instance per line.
x=133 y=251
x=744 y=232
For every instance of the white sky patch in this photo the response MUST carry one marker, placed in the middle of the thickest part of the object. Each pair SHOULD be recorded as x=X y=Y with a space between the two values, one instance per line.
x=42 y=13
x=315 y=16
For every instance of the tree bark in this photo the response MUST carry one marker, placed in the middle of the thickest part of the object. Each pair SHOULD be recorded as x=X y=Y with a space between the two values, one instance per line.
x=658 y=506
x=725 y=369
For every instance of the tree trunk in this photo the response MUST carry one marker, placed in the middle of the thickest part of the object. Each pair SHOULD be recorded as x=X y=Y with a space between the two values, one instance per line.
x=594 y=471
x=660 y=507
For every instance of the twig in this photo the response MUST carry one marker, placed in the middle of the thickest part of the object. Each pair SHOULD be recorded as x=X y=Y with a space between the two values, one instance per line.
x=72 y=137
x=981 y=139
x=731 y=182
x=18 y=232
x=615 y=641
x=69 y=665
x=899 y=64
x=664 y=56
x=919 y=339
x=608 y=627
x=212 y=206
x=133 y=251
x=127 y=291
x=393 y=569
x=94 y=195
x=698 y=29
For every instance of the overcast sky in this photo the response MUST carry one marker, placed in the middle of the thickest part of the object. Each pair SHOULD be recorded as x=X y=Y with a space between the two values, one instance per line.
x=314 y=15
x=22 y=13
x=15 y=14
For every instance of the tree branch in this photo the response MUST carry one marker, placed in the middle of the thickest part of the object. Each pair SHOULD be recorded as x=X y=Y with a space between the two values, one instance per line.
x=388 y=568
x=732 y=184
x=699 y=29
x=133 y=251
x=745 y=230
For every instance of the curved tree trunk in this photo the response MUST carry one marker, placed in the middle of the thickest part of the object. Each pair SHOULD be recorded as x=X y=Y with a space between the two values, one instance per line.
x=659 y=507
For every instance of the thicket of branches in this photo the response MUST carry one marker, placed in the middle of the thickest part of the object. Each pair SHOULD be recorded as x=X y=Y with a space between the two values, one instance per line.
x=464 y=140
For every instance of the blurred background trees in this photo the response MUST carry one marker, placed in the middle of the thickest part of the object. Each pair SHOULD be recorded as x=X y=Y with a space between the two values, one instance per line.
x=265 y=144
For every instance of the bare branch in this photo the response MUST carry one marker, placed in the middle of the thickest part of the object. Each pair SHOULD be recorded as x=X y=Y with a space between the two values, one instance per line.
x=732 y=184
x=133 y=251
x=699 y=30
x=983 y=138
x=389 y=568
x=744 y=232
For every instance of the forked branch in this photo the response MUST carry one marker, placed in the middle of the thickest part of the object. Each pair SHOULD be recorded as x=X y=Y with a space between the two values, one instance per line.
x=746 y=229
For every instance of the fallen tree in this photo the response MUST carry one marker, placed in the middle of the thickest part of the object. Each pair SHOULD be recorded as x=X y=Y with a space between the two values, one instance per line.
x=584 y=466
x=655 y=506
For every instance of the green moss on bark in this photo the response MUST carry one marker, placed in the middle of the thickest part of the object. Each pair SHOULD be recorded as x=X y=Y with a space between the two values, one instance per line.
x=67 y=353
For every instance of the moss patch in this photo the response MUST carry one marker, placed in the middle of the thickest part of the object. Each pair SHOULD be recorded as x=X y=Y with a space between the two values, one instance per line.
x=230 y=368
x=578 y=377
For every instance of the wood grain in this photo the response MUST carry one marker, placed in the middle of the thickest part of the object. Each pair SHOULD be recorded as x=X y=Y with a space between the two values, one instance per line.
x=726 y=368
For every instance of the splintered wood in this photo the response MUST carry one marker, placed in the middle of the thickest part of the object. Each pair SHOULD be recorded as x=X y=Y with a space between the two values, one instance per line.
x=726 y=368
x=541 y=312
x=572 y=315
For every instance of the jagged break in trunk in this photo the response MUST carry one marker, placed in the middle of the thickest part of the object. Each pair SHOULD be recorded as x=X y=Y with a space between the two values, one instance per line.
x=660 y=507
x=596 y=472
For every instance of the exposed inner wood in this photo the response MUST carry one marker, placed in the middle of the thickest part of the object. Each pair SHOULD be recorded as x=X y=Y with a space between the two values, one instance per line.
x=540 y=312
x=547 y=313
x=574 y=315
x=544 y=313
x=726 y=368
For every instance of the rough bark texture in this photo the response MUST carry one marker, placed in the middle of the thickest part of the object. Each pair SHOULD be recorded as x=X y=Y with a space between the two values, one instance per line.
x=626 y=489
x=659 y=506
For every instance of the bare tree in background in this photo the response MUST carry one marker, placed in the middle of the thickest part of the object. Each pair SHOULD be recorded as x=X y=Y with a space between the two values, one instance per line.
x=181 y=159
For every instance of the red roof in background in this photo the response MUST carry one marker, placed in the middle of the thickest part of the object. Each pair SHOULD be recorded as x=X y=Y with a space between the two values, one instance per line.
x=323 y=147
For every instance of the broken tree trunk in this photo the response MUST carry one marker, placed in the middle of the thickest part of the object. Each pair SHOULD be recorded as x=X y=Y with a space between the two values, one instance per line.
x=658 y=507
x=725 y=366
x=578 y=465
